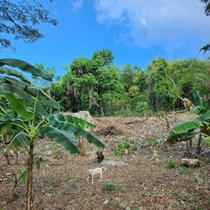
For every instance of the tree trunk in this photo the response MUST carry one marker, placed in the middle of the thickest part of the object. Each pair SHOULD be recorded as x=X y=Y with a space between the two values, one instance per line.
x=30 y=177
x=199 y=146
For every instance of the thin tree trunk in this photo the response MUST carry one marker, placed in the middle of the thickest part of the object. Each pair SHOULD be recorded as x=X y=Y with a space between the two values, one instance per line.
x=30 y=178
x=199 y=146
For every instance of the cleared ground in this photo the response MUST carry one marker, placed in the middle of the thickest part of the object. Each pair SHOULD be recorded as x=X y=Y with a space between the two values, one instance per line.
x=139 y=181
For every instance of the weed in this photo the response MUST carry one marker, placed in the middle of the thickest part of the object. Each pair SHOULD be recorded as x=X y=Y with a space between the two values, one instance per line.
x=207 y=202
x=175 y=193
x=42 y=202
x=134 y=148
x=109 y=186
x=198 y=207
x=133 y=207
x=121 y=147
x=206 y=142
x=185 y=170
x=171 y=164
x=21 y=175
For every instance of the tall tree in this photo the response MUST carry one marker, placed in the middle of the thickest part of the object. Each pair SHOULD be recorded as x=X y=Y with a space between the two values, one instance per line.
x=103 y=57
x=127 y=76
x=161 y=92
x=18 y=21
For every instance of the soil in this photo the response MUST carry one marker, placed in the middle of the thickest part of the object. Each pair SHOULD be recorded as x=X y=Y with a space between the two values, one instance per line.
x=133 y=181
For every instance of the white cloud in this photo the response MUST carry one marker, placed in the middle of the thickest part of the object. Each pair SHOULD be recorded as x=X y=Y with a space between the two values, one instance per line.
x=77 y=4
x=158 y=22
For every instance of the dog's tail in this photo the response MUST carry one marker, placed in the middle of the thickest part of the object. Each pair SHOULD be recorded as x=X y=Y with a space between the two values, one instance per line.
x=103 y=168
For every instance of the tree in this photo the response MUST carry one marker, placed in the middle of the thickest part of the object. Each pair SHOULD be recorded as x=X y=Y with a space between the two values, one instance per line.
x=32 y=118
x=18 y=20
x=48 y=70
x=127 y=76
x=162 y=94
x=103 y=57
x=207 y=12
x=93 y=85
x=190 y=74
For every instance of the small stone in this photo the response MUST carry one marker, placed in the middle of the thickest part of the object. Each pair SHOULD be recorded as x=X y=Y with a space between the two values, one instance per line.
x=106 y=202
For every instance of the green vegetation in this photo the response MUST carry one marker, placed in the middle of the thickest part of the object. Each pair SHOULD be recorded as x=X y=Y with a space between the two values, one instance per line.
x=122 y=147
x=109 y=186
x=171 y=164
x=185 y=170
x=186 y=130
x=29 y=112
x=101 y=88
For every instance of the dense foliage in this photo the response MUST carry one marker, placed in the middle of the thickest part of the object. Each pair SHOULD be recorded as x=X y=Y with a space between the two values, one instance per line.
x=99 y=86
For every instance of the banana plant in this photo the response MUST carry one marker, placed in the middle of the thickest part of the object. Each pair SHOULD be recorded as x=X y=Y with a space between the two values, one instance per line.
x=186 y=130
x=30 y=118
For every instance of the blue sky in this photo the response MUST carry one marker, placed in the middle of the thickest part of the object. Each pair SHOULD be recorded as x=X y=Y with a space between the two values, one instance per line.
x=136 y=31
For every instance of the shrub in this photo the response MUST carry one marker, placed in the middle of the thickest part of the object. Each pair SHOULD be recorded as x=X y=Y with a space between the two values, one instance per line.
x=121 y=147
x=171 y=164
x=109 y=186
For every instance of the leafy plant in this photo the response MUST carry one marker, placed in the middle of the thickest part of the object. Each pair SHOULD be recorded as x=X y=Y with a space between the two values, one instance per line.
x=121 y=147
x=185 y=170
x=31 y=116
x=206 y=142
x=109 y=186
x=171 y=164
x=21 y=175
x=186 y=130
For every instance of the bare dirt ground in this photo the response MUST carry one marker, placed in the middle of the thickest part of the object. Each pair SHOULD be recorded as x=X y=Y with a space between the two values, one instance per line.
x=139 y=181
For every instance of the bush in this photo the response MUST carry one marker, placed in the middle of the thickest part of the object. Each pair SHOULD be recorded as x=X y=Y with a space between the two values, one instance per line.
x=171 y=164
x=120 y=147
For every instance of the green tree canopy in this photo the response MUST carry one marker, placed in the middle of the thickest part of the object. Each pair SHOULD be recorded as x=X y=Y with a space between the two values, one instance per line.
x=18 y=21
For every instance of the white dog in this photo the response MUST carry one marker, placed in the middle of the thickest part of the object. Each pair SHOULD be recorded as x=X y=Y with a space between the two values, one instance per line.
x=94 y=172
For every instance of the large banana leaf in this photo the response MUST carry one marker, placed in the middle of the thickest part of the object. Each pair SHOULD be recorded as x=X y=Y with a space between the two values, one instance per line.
x=18 y=106
x=174 y=137
x=18 y=93
x=20 y=140
x=75 y=120
x=29 y=89
x=183 y=131
x=198 y=110
x=185 y=126
x=206 y=116
x=12 y=72
x=24 y=66
x=197 y=98
x=62 y=137
x=72 y=124
x=4 y=128
x=7 y=123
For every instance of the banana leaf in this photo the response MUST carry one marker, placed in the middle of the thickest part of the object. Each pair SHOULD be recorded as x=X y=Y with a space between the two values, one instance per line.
x=73 y=125
x=26 y=67
x=12 y=72
x=20 y=140
x=66 y=139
